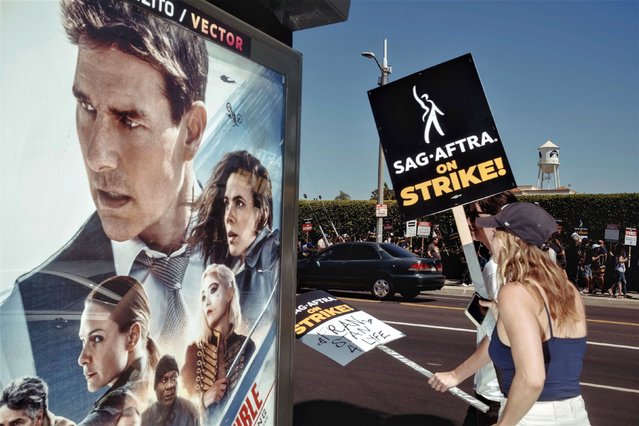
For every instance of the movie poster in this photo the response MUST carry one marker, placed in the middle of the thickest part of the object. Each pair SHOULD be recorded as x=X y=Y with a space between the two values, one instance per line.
x=142 y=183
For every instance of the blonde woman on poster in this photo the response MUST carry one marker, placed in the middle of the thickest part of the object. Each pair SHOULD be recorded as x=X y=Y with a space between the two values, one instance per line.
x=215 y=362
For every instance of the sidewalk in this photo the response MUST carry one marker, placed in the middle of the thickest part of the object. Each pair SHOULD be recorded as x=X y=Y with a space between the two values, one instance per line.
x=454 y=288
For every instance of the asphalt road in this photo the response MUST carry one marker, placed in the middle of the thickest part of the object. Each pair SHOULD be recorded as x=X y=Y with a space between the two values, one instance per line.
x=376 y=389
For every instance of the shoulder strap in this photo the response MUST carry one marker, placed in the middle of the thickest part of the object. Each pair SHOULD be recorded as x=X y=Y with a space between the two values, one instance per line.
x=549 y=320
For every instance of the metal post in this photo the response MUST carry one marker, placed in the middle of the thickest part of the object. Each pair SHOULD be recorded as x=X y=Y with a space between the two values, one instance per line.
x=386 y=70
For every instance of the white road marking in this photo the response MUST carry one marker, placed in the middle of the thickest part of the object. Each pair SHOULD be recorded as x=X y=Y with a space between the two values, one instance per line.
x=611 y=345
x=592 y=385
x=468 y=330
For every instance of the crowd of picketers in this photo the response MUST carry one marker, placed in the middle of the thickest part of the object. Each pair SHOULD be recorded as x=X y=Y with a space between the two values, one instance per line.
x=592 y=266
x=595 y=268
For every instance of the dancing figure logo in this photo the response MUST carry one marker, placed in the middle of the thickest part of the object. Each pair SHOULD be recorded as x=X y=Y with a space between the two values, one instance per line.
x=429 y=117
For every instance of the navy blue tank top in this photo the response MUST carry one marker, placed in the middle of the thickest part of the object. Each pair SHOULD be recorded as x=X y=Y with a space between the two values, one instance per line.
x=563 y=359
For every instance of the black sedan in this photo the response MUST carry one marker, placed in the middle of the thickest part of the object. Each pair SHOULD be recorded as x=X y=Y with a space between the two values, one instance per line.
x=381 y=268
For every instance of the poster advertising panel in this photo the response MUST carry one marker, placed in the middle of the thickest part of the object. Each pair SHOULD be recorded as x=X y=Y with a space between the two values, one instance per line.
x=148 y=150
x=440 y=141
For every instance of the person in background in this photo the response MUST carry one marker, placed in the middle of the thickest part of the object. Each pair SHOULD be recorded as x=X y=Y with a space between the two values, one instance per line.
x=556 y=245
x=620 y=269
x=432 y=250
x=169 y=409
x=599 y=256
x=573 y=259
x=586 y=265
x=23 y=402
x=117 y=351
x=485 y=382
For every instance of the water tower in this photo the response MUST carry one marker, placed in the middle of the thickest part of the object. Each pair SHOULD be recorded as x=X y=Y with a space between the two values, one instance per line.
x=548 y=165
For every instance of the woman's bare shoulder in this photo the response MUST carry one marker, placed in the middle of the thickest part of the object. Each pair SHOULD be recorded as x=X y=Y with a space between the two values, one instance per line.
x=512 y=291
x=516 y=296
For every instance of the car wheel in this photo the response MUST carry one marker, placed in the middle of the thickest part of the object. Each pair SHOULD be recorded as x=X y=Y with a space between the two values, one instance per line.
x=410 y=293
x=382 y=289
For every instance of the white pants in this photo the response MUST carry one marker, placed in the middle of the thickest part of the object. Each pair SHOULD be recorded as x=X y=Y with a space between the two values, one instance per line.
x=569 y=412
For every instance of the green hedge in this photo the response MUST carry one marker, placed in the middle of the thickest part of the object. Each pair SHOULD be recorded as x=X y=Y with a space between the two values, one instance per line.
x=357 y=218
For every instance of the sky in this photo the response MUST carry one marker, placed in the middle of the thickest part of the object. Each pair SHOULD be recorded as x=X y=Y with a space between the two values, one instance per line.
x=564 y=71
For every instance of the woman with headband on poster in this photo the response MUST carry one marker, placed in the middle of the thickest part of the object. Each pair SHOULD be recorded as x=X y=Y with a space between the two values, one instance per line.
x=240 y=192
x=117 y=350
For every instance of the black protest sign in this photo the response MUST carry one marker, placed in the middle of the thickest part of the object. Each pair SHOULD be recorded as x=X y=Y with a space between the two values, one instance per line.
x=439 y=138
x=315 y=308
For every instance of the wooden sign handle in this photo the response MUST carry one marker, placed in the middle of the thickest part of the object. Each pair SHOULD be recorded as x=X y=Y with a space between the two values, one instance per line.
x=467 y=244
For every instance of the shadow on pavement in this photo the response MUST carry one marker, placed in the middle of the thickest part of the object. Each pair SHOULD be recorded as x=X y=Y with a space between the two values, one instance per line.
x=335 y=413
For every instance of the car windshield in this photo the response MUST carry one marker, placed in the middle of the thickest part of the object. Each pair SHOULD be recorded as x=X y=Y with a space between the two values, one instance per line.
x=396 y=251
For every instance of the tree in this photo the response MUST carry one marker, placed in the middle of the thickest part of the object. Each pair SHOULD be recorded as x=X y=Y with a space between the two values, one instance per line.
x=389 y=194
x=343 y=196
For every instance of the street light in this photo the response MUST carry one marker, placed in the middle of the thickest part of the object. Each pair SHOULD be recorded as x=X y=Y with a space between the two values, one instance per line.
x=383 y=79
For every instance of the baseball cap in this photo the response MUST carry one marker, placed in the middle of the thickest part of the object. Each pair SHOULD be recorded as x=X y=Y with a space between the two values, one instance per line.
x=528 y=221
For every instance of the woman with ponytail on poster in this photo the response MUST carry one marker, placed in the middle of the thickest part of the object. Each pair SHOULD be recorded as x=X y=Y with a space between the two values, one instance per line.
x=239 y=191
x=117 y=350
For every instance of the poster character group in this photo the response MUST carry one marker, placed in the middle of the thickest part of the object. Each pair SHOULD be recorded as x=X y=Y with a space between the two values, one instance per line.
x=164 y=299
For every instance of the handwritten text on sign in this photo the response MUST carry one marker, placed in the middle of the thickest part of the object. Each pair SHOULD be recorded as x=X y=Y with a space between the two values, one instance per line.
x=337 y=329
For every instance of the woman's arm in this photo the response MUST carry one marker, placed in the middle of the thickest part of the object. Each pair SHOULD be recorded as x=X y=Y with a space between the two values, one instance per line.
x=518 y=318
x=445 y=380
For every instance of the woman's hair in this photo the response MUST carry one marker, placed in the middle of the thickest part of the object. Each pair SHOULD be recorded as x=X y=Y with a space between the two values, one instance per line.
x=227 y=278
x=209 y=231
x=127 y=300
x=529 y=265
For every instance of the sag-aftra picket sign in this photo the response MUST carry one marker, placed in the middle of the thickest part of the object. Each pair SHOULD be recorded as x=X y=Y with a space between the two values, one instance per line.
x=439 y=138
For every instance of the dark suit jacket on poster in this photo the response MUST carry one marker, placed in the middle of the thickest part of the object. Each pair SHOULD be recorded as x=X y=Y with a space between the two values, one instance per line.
x=51 y=299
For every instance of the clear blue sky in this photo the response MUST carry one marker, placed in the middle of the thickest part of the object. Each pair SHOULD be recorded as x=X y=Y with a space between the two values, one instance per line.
x=565 y=71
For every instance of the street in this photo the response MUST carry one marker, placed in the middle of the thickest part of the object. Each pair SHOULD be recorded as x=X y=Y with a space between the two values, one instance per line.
x=376 y=389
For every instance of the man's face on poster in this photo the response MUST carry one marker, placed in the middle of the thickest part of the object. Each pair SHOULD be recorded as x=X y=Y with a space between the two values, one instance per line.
x=166 y=389
x=133 y=152
x=10 y=417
